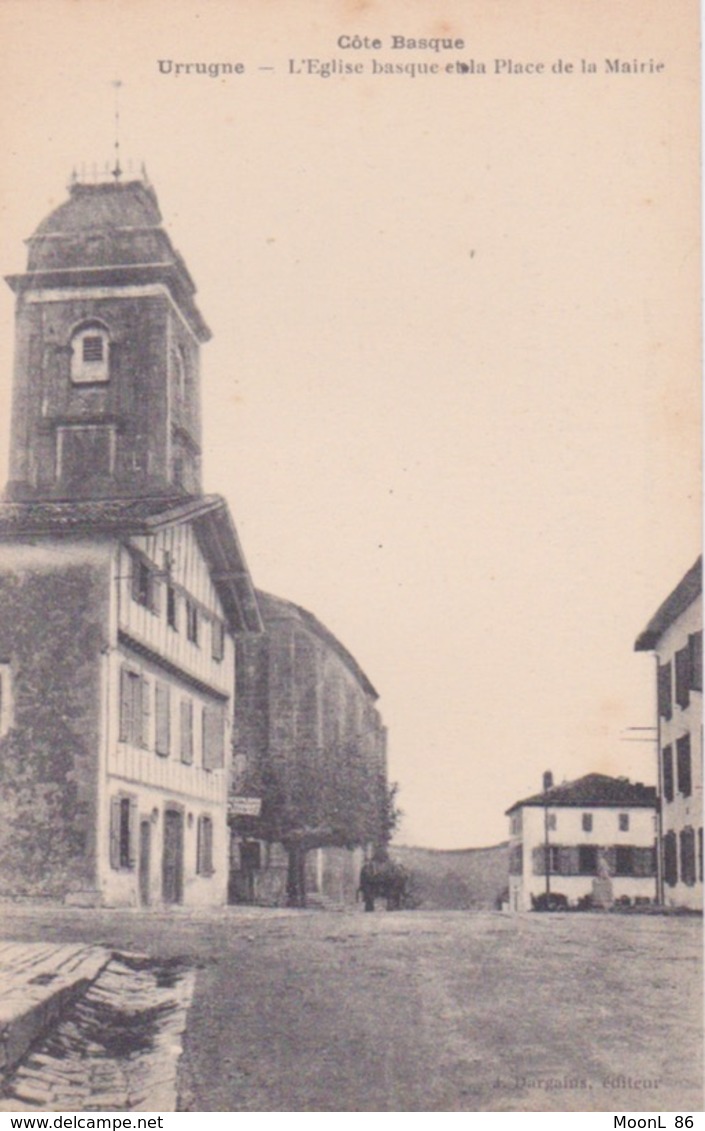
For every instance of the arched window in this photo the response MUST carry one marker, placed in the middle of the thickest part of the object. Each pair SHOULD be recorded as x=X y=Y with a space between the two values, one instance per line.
x=90 y=354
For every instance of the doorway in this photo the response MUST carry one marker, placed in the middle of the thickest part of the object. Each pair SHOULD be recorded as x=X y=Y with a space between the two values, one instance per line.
x=173 y=859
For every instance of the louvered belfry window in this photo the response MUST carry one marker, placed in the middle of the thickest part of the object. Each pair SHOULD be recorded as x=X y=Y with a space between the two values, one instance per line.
x=93 y=347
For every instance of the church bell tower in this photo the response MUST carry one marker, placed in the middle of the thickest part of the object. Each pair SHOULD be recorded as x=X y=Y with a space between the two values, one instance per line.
x=106 y=395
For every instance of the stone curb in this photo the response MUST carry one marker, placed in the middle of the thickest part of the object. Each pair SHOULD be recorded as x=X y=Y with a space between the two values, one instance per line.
x=23 y=1022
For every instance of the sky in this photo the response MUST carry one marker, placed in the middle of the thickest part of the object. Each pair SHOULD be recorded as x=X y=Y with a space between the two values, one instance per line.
x=452 y=395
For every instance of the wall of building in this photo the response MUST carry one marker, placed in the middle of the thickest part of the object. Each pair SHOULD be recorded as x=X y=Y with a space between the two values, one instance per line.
x=312 y=740
x=136 y=398
x=569 y=833
x=175 y=551
x=682 y=812
x=162 y=780
x=259 y=871
x=333 y=875
x=157 y=765
x=184 y=435
x=54 y=601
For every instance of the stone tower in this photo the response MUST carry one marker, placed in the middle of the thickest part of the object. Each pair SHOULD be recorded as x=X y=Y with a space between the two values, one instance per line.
x=106 y=400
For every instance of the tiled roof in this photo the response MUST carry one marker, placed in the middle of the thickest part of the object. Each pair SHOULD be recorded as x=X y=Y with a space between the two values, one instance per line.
x=685 y=592
x=275 y=609
x=209 y=515
x=108 y=235
x=92 y=516
x=594 y=791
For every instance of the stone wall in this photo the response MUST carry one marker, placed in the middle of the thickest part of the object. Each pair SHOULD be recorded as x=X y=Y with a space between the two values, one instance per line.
x=53 y=623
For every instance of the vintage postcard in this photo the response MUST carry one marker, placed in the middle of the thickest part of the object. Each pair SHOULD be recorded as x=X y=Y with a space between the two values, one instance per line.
x=350 y=589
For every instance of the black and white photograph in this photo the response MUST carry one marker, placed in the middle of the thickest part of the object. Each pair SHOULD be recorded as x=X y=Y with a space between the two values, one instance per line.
x=350 y=558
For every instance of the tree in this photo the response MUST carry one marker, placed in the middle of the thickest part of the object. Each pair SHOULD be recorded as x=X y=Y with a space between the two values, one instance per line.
x=391 y=813
x=314 y=797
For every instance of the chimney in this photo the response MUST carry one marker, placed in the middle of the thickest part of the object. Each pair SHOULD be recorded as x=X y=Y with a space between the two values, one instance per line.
x=547 y=781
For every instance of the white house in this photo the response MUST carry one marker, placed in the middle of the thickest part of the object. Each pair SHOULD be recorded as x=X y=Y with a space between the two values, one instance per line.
x=675 y=635
x=593 y=837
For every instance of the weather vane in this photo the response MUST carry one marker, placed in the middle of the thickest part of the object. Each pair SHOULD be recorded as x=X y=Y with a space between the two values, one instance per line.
x=117 y=171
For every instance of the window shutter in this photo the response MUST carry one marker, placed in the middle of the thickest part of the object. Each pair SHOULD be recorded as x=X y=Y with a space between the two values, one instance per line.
x=683 y=760
x=155 y=595
x=217 y=640
x=115 y=832
x=213 y=738
x=566 y=863
x=161 y=716
x=125 y=705
x=670 y=859
x=665 y=701
x=538 y=860
x=145 y=696
x=644 y=861
x=134 y=826
x=687 y=839
x=172 y=608
x=611 y=855
x=587 y=859
x=683 y=676
x=204 y=855
x=695 y=643
x=668 y=773
x=208 y=846
x=186 y=731
x=135 y=575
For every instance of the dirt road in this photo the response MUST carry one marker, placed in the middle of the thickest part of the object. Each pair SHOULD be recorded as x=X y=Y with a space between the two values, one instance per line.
x=445 y=1011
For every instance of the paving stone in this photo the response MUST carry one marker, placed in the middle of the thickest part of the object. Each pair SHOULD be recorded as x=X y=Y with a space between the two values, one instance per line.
x=81 y=1066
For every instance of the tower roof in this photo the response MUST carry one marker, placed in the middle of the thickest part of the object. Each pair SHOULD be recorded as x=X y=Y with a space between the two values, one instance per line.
x=103 y=206
x=109 y=234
